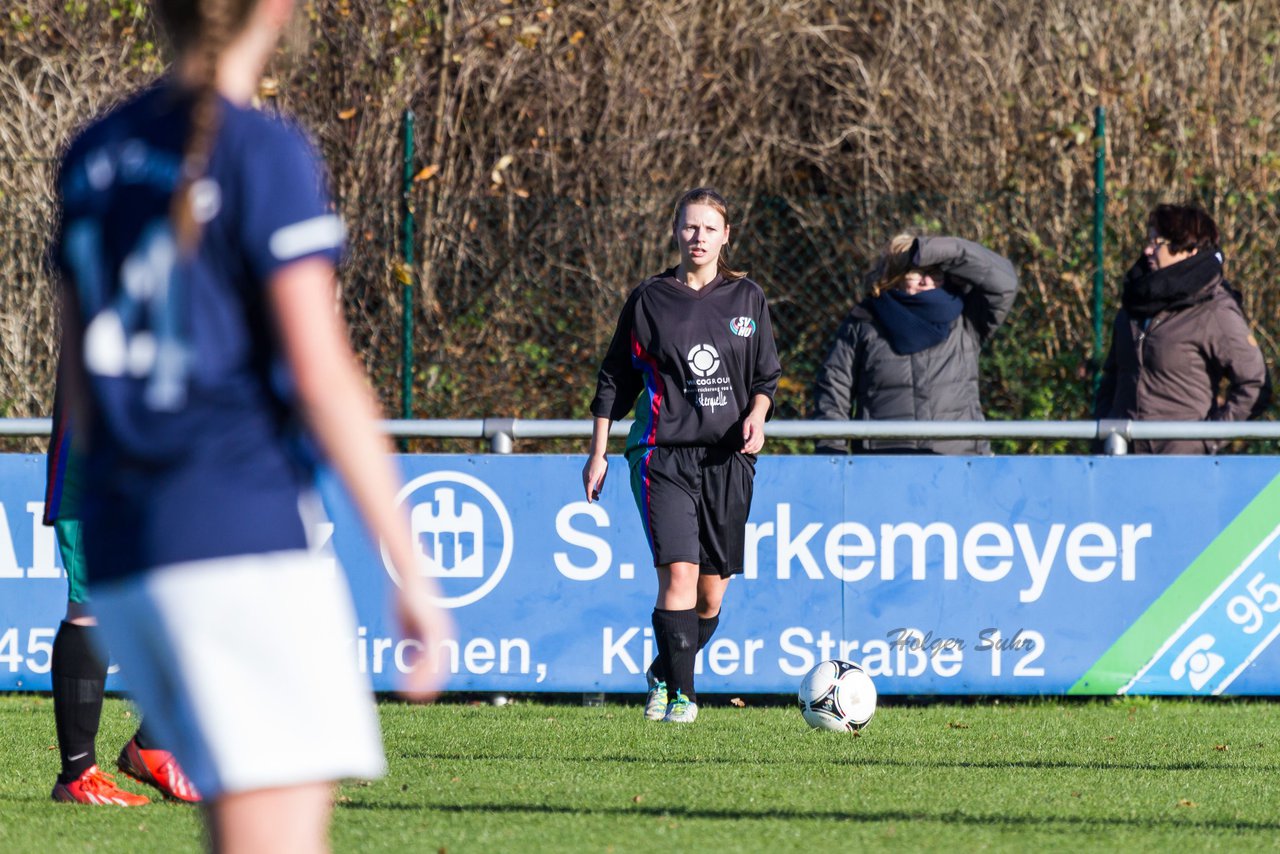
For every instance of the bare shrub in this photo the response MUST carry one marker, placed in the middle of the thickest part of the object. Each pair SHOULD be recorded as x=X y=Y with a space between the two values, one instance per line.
x=553 y=138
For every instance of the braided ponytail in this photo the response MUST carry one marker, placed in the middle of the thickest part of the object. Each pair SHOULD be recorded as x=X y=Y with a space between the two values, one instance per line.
x=200 y=31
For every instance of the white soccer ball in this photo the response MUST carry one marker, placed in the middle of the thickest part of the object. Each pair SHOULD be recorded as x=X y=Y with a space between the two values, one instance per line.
x=837 y=695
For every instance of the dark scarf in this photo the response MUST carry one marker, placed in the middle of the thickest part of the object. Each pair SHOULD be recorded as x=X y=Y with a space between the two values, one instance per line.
x=1148 y=292
x=916 y=322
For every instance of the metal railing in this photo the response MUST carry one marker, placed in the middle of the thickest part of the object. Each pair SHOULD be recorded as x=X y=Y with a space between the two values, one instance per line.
x=1114 y=435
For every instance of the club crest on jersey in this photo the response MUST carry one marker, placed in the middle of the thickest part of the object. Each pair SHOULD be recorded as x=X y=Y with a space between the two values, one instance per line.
x=743 y=327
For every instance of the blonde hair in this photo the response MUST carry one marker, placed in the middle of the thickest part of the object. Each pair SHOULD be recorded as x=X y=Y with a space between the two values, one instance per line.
x=892 y=266
x=712 y=199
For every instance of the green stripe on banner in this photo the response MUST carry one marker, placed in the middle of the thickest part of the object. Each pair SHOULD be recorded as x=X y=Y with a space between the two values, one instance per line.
x=1140 y=643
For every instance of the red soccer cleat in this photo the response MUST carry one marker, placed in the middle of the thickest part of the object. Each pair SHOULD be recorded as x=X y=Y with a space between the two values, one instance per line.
x=96 y=787
x=157 y=768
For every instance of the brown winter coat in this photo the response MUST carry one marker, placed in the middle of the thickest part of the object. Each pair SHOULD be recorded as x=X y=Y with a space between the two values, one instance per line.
x=1170 y=365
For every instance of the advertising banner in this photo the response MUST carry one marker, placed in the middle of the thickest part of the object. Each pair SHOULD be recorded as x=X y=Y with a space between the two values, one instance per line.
x=986 y=575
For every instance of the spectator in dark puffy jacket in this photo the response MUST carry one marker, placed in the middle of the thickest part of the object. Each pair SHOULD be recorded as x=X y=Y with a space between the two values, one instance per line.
x=909 y=351
x=1181 y=349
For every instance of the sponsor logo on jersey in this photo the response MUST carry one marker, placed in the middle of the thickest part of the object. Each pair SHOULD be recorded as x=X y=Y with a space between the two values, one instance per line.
x=743 y=327
x=705 y=390
x=704 y=360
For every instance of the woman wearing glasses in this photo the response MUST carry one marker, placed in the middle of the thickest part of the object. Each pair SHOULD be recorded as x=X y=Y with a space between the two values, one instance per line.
x=1180 y=335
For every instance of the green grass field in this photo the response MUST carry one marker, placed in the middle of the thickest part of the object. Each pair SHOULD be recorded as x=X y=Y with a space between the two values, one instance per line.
x=1136 y=774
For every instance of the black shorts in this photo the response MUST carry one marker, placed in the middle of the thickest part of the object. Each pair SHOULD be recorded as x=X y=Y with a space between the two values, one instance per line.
x=694 y=503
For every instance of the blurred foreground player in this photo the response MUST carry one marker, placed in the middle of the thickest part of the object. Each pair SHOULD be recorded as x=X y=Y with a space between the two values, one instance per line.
x=206 y=362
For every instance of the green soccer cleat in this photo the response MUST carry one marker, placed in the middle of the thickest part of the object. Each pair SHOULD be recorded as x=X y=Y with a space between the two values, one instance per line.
x=682 y=710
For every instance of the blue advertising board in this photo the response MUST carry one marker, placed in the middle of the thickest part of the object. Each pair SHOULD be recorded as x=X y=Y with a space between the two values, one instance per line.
x=986 y=575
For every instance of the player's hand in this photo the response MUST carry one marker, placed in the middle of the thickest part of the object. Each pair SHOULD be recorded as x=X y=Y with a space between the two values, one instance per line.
x=426 y=622
x=752 y=434
x=593 y=475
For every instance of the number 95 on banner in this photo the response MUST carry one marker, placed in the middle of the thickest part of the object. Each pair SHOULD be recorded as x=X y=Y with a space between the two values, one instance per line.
x=1224 y=634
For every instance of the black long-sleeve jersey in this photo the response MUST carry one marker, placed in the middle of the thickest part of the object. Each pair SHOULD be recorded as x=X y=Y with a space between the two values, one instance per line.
x=690 y=362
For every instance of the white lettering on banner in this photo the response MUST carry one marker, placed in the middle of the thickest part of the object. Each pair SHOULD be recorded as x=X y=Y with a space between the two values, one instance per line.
x=948 y=661
x=632 y=650
x=727 y=657
x=1078 y=550
x=598 y=546
x=797 y=547
x=477 y=656
x=837 y=550
x=8 y=559
x=988 y=551
x=722 y=656
x=890 y=534
x=43 y=545
x=975 y=551
x=39 y=650
x=798 y=642
x=1038 y=563
x=751 y=561
x=414 y=646
x=907 y=655
x=906 y=652
x=616 y=650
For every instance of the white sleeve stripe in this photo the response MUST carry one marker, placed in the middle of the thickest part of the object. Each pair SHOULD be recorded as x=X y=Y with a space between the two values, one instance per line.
x=310 y=235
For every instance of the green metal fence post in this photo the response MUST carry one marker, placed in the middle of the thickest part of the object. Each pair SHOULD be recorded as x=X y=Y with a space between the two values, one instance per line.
x=407 y=277
x=1099 y=218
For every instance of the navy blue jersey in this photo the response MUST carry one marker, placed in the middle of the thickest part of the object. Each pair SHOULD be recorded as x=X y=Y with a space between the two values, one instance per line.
x=191 y=448
x=689 y=361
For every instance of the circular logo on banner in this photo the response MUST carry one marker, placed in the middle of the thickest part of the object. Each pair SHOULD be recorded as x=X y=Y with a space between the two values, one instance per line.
x=703 y=359
x=462 y=535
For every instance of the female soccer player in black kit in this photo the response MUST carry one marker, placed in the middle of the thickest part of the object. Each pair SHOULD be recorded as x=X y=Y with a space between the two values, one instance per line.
x=694 y=353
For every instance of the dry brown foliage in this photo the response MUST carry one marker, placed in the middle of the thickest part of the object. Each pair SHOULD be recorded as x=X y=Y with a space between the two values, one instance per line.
x=553 y=137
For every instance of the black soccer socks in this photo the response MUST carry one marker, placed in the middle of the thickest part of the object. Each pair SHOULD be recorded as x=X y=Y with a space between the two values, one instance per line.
x=707 y=628
x=676 y=633
x=79 y=682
